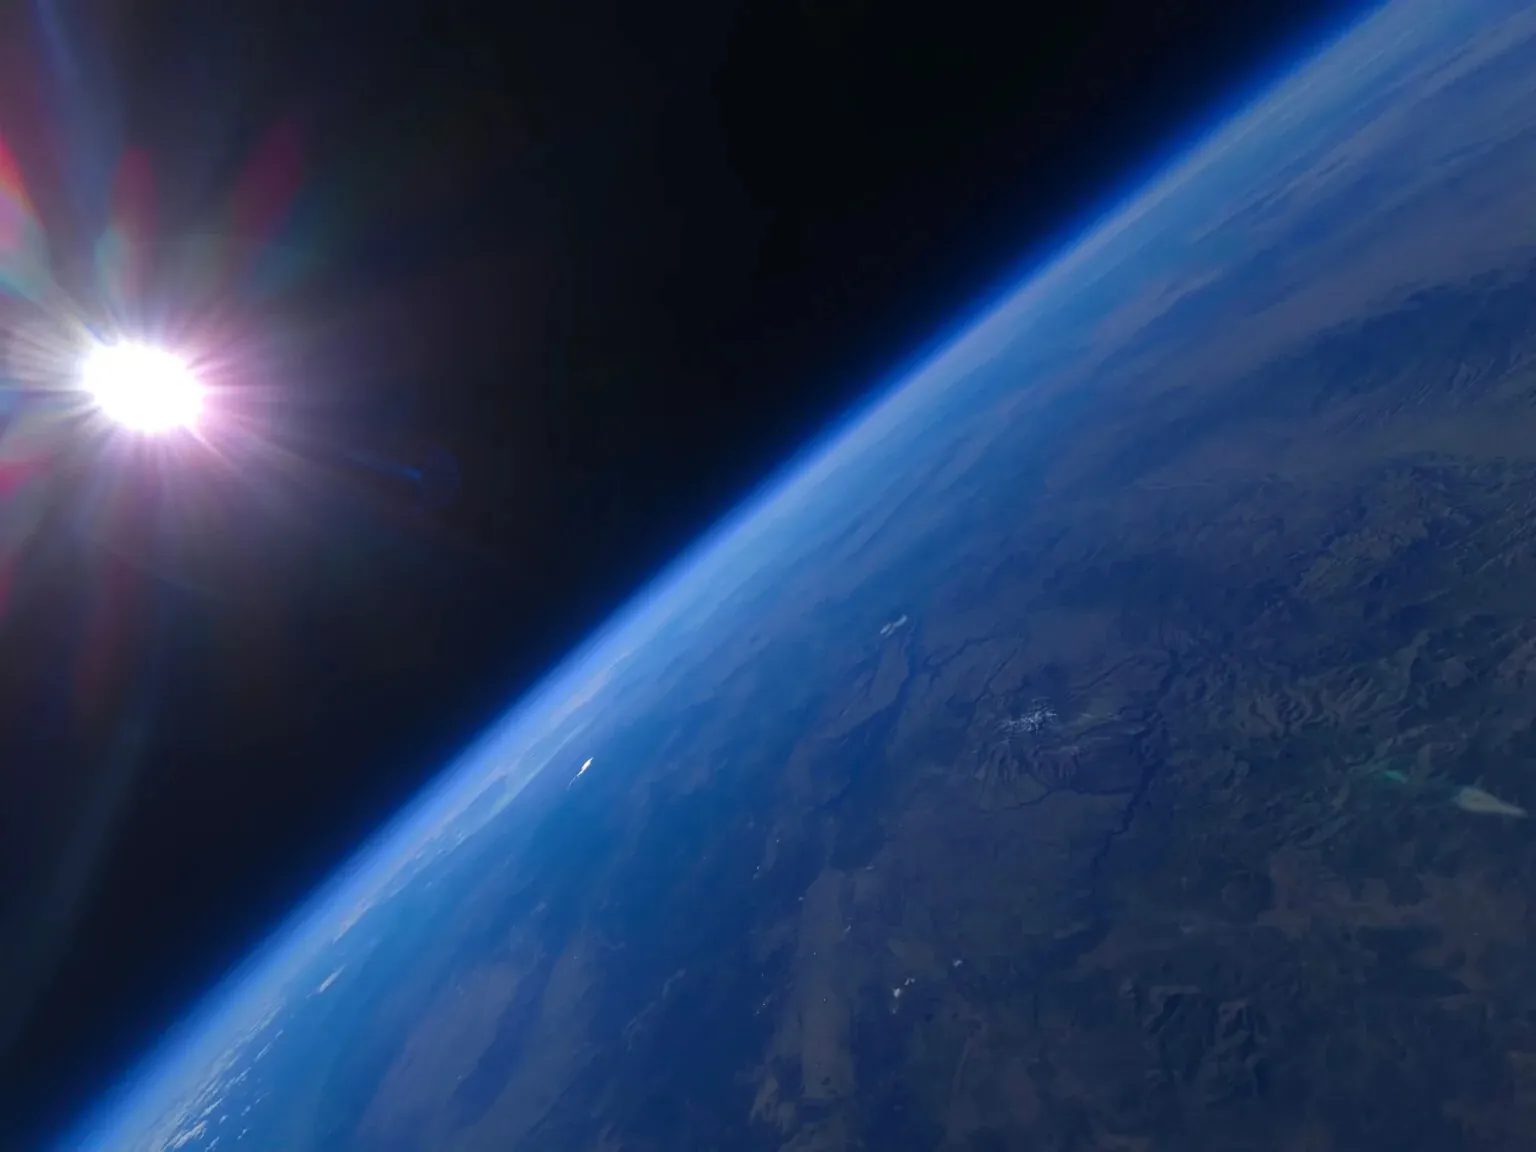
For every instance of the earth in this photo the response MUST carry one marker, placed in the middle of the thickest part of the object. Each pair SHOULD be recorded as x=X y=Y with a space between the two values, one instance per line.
x=1119 y=735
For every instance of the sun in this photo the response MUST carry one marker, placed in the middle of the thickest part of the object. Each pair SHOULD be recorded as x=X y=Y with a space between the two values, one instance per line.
x=142 y=387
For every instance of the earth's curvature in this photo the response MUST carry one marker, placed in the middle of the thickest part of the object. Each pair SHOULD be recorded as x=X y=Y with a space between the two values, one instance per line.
x=1118 y=737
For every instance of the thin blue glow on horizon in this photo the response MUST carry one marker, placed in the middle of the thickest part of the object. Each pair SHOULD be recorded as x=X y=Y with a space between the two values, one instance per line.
x=139 y=1095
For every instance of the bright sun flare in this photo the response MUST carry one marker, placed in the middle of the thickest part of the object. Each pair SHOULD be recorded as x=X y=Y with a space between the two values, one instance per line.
x=141 y=387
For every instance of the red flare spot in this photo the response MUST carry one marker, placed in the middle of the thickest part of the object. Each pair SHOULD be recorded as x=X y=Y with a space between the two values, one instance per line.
x=133 y=197
x=11 y=183
x=268 y=184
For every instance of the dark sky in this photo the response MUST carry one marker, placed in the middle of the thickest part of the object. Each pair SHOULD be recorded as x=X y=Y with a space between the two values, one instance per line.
x=618 y=260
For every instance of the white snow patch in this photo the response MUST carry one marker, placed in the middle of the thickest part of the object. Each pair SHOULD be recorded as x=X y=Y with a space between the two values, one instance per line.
x=1031 y=721
x=182 y=1139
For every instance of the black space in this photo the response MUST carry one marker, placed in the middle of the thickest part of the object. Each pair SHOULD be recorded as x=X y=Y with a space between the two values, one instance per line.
x=619 y=260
